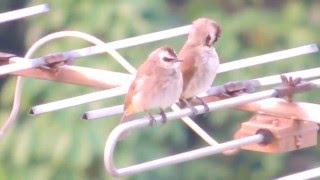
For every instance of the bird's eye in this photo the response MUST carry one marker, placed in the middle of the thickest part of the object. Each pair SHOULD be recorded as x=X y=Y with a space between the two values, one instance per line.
x=208 y=39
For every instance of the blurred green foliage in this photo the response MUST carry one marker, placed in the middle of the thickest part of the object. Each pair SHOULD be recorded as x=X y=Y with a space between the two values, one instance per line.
x=61 y=146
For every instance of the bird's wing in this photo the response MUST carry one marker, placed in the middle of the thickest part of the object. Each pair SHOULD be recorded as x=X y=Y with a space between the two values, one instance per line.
x=144 y=71
x=187 y=67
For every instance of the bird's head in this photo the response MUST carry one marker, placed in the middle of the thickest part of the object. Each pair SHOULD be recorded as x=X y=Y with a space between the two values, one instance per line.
x=205 y=31
x=166 y=58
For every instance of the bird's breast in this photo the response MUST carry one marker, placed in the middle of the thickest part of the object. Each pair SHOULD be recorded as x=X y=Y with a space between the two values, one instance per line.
x=206 y=67
x=159 y=91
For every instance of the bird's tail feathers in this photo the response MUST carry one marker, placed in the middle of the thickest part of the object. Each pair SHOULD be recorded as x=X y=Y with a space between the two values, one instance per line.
x=125 y=118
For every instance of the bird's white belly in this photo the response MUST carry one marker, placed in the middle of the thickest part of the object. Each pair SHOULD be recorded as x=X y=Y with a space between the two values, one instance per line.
x=203 y=77
x=163 y=94
x=167 y=95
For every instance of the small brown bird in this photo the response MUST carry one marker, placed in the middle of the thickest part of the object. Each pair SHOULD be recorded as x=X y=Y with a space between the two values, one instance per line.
x=200 y=60
x=158 y=84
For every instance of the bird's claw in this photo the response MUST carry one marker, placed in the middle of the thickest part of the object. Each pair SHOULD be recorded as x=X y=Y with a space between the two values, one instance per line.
x=163 y=115
x=205 y=105
x=151 y=119
x=186 y=103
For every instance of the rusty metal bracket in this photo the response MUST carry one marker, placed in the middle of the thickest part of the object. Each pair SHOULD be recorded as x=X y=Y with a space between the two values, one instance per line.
x=293 y=86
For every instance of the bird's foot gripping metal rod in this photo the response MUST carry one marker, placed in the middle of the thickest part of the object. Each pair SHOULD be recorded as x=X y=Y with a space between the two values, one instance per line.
x=199 y=153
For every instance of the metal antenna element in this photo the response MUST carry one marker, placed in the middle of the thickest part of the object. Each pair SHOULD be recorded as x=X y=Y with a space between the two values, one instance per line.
x=266 y=58
x=48 y=107
x=22 y=13
x=213 y=91
x=170 y=160
x=195 y=154
x=31 y=51
x=308 y=174
x=98 y=49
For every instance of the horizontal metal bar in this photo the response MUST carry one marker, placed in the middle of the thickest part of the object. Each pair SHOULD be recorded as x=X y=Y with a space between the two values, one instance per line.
x=129 y=126
x=40 y=109
x=175 y=159
x=308 y=174
x=98 y=49
x=114 y=110
x=122 y=128
x=307 y=74
x=216 y=90
x=265 y=81
x=84 y=76
x=152 y=37
x=103 y=112
x=270 y=57
x=23 y=64
x=22 y=13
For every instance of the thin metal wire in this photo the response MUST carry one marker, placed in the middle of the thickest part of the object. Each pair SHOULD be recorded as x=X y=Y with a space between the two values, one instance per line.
x=22 y=13
x=308 y=174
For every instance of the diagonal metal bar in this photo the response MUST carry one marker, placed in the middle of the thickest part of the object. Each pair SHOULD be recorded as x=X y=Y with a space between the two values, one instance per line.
x=174 y=159
x=195 y=154
x=22 y=13
x=270 y=57
x=77 y=100
x=308 y=174
x=98 y=49
x=266 y=81
x=216 y=90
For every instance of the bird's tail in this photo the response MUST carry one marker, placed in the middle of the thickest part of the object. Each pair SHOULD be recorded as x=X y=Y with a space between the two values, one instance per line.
x=125 y=118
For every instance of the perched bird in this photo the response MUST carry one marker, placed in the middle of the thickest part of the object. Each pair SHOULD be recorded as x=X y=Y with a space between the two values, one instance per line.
x=158 y=84
x=200 y=60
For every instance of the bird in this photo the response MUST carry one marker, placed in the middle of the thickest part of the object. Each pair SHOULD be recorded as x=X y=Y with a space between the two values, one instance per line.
x=157 y=84
x=200 y=60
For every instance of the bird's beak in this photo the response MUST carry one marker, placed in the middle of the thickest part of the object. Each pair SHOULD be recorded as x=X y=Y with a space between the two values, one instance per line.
x=177 y=60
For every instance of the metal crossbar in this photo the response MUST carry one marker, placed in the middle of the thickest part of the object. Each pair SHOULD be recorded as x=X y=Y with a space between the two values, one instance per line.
x=191 y=155
x=308 y=174
x=22 y=13
x=280 y=55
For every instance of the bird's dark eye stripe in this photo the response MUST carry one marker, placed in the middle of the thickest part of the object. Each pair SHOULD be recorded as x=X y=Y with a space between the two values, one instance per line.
x=208 y=39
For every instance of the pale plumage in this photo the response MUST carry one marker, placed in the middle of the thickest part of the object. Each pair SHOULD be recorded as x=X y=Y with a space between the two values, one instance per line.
x=158 y=84
x=200 y=60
